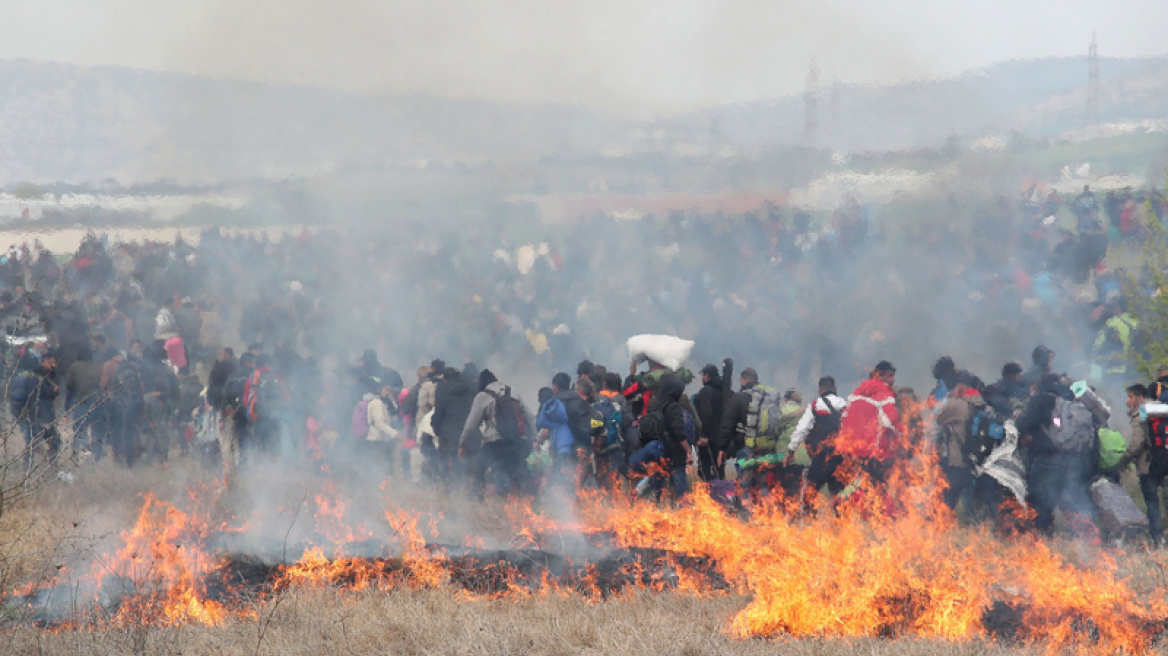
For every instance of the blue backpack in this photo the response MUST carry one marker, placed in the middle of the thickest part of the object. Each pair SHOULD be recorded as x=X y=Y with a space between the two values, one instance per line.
x=613 y=420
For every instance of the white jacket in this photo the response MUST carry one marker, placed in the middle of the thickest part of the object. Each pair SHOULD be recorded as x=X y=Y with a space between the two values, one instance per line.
x=807 y=421
x=378 y=416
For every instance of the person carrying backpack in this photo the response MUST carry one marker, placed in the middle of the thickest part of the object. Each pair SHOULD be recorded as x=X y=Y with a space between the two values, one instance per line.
x=32 y=393
x=758 y=425
x=641 y=387
x=732 y=435
x=265 y=398
x=507 y=429
x=955 y=439
x=1061 y=431
x=870 y=427
x=611 y=393
x=1148 y=449
x=815 y=431
x=552 y=424
x=236 y=428
x=664 y=439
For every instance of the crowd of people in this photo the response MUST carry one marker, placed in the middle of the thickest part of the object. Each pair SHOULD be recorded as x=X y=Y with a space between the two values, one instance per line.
x=142 y=340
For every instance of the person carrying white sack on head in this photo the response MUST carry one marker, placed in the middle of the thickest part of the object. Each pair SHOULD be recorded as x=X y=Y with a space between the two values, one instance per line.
x=665 y=354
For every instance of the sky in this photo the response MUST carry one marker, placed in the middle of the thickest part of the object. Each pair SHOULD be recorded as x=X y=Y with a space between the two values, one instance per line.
x=641 y=59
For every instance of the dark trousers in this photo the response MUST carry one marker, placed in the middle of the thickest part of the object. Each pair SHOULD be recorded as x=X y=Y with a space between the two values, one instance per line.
x=822 y=469
x=1061 y=481
x=446 y=465
x=88 y=425
x=708 y=469
x=1150 y=485
x=501 y=463
x=960 y=479
x=122 y=428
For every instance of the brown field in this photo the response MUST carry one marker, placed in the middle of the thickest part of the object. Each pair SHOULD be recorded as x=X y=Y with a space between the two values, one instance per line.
x=87 y=515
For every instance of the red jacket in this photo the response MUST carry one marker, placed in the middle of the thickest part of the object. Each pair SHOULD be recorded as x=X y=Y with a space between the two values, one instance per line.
x=869 y=426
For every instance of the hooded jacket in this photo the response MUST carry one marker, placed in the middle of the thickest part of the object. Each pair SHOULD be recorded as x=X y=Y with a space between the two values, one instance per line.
x=667 y=400
x=482 y=414
x=869 y=426
x=554 y=417
x=378 y=415
x=452 y=404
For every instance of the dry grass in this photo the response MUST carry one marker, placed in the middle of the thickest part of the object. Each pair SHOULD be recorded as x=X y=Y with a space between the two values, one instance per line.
x=324 y=623
x=87 y=516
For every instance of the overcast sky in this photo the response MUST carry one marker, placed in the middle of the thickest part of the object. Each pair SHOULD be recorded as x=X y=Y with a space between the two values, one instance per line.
x=637 y=58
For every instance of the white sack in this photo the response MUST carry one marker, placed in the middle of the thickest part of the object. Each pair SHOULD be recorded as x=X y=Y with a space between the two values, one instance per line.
x=671 y=351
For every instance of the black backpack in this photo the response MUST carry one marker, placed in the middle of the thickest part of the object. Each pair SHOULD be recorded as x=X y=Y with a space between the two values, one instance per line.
x=510 y=422
x=653 y=427
x=579 y=420
x=825 y=425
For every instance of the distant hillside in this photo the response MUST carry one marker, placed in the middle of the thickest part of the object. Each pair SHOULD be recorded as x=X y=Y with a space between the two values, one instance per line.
x=1040 y=97
x=64 y=123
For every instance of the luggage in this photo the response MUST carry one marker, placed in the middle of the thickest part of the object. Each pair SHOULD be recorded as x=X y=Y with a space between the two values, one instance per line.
x=724 y=492
x=1119 y=516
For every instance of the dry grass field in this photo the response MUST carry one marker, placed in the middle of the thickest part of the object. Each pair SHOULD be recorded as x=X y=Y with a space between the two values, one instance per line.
x=81 y=521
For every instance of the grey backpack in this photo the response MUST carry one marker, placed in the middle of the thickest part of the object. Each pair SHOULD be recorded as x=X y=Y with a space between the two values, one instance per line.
x=1072 y=427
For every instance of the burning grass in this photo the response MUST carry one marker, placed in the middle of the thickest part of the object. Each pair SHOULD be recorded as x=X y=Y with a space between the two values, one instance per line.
x=200 y=572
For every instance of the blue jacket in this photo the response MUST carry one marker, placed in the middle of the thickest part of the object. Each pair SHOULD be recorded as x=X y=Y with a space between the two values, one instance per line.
x=554 y=417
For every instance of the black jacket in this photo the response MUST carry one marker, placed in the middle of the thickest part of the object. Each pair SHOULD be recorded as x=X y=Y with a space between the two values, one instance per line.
x=709 y=403
x=734 y=415
x=217 y=380
x=452 y=402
